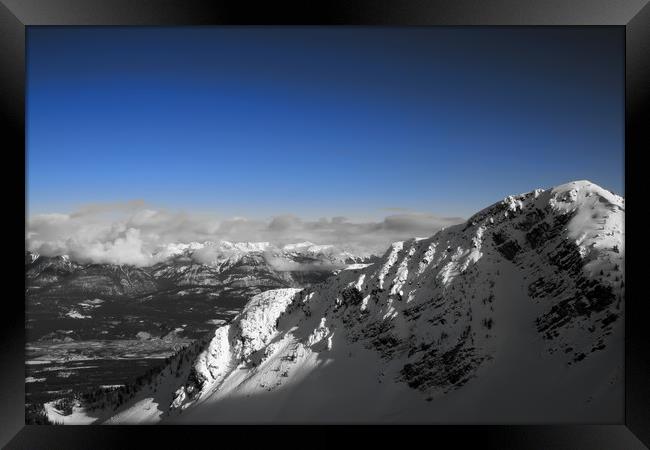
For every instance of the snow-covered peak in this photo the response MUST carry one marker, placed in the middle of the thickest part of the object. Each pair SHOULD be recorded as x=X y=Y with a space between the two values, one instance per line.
x=583 y=193
x=328 y=252
x=175 y=249
x=297 y=246
x=244 y=247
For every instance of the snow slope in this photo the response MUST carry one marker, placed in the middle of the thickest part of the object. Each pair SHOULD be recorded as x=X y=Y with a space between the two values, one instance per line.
x=514 y=316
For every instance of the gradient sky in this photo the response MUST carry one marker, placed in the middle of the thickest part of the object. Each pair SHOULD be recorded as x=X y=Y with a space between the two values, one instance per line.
x=318 y=122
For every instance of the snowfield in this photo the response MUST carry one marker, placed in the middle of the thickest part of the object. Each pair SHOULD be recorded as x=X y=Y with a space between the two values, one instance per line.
x=513 y=316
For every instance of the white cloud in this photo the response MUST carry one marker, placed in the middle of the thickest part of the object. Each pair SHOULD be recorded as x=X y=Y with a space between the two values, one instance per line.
x=132 y=233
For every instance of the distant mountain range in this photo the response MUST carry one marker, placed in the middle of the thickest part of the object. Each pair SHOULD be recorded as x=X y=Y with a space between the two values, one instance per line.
x=245 y=268
x=515 y=315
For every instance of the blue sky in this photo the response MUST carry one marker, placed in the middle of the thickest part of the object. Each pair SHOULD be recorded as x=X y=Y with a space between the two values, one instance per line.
x=319 y=122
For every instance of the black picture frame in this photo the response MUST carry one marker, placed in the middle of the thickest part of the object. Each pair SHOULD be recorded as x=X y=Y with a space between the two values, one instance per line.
x=633 y=15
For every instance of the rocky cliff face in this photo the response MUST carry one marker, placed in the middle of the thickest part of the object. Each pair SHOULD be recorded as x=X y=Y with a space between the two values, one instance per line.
x=527 y=292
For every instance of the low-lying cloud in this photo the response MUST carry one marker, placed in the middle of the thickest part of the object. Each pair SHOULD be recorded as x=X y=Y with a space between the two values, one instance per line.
x=132 y=233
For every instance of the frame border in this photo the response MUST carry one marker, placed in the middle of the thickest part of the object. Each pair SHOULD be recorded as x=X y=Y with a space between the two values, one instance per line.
x=633 y=15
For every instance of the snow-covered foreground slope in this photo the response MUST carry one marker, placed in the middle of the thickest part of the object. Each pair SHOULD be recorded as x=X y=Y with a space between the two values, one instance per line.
x=513 y=316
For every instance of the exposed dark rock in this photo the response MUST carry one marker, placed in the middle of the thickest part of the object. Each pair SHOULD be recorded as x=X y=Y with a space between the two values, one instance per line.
x=351 y=296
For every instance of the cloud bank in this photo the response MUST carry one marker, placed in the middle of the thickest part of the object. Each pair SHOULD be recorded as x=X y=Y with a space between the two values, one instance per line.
x=132 y=233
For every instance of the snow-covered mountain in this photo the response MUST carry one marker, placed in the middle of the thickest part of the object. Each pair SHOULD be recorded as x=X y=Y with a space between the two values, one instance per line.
x=211 y=264
x=515 y=315
x=226 y=252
